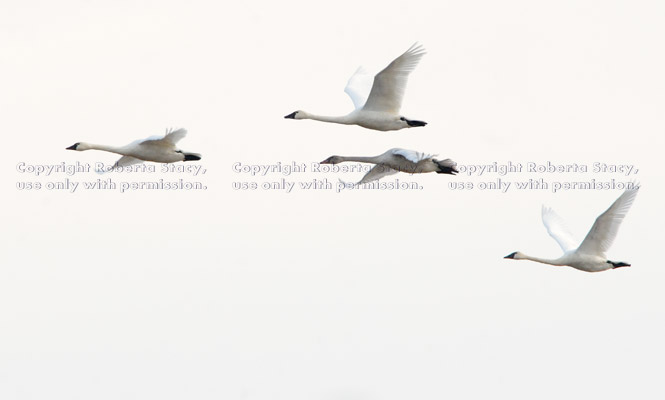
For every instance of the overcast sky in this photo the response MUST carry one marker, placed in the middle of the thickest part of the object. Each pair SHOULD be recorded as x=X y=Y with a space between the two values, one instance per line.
x=224 y=293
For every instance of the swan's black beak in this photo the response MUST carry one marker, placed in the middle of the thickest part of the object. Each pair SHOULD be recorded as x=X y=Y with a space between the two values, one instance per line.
x=72 y=147
x=291 y=116
x=511 y=255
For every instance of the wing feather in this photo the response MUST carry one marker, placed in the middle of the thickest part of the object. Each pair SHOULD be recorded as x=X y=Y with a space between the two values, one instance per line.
x=556 y=228
x=358 y=87
x=411 y=155
x=604 y=230
x=171 y=137
x=376 y=173
x=389 y=85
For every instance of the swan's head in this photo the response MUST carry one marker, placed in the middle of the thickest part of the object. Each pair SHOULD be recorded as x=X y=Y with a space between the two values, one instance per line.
x=515 y=256
x=80 y=146
x=296 y=115
x=411 y=123
x=332 y=160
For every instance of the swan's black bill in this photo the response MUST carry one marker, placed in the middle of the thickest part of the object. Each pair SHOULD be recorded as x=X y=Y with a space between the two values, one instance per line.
x=292 y=115
x=618 y=264
x=73 y=147
x=192 y=157
x=511 y=255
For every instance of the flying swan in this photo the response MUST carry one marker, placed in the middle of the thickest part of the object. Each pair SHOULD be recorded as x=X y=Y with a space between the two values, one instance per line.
x=155 y=148
x=379 y=110
x=398 y=160
x=590 y=255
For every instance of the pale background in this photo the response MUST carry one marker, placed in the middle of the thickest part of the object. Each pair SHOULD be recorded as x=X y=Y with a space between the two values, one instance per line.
x=221 y=294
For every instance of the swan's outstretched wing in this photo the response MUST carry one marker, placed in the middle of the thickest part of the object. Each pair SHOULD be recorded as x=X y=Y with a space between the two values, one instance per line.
x=389 y=84
x=126 y=161
x=358 y=87
x=556 y=228
x=413 y=156
x=604 y=230
x=376 y=173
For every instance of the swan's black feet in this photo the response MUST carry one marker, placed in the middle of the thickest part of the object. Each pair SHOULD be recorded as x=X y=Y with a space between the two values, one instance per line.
x=618 y=264
x=447 y=170
x=413 y=122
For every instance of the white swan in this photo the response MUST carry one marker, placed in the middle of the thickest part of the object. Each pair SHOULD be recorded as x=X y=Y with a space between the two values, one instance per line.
x=154 y=148
x=379 y=110
x=590 y=255
x=398 y=160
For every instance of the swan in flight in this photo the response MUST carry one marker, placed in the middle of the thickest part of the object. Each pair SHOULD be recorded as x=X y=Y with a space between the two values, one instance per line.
x=154 y=148
x=377 y=102
x=398 y=160
x=590 y=255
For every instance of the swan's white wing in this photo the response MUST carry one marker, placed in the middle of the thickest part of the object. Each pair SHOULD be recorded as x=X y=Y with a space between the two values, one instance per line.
x=413 y=156
x=358 y=87
x=555 y=227
x=125 y=161
x=604 y=230
x=389 y=84
x=152 y=138
x=171 y=137
x=174 y=136
x=376 y=173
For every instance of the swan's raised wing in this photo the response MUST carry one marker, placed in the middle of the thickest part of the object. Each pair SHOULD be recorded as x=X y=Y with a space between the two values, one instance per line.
x=174 y=136
x=604 y=230
x=413 y=156
x=358 y=87
x=171 y=137
x=376 y=173
x=556 y=228
x=389 y=84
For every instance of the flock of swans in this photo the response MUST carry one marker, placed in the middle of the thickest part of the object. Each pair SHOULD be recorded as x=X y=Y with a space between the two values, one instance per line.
x=377 y=102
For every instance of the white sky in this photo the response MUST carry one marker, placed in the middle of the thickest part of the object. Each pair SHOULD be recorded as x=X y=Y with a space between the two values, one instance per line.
x=225 y=294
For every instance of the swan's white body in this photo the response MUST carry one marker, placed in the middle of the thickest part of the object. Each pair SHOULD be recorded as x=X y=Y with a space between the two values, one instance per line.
x=155 y=148
x=398 y=160
x=590 y=254
x=377 y=100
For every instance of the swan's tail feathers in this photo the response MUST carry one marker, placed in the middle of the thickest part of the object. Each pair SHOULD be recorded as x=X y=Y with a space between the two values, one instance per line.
x=446 y=166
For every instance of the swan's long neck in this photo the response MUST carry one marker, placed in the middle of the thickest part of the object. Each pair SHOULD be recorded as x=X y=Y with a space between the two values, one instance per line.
x=371 y=160
x=344 y=119
x=541 y=260
x=104 y=147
